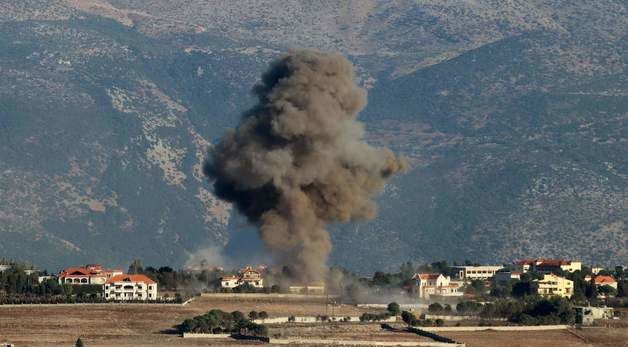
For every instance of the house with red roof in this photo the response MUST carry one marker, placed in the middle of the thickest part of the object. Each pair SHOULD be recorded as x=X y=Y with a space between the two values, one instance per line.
x=88 y=274
x=130 y=287
x=602 y=280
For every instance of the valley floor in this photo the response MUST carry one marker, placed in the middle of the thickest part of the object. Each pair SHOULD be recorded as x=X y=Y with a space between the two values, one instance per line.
x=152 y=325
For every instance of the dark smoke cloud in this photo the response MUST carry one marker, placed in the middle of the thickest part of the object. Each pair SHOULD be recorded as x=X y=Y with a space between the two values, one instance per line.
x=298 y=160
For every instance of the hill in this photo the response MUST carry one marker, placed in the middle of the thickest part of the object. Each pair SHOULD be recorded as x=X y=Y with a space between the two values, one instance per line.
x=512 y=114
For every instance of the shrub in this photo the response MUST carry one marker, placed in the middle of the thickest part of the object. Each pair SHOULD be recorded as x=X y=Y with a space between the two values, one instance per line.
x=407 y=317
x=394 y=308
x=435 y=308
x=217 y=321
x=371 y=317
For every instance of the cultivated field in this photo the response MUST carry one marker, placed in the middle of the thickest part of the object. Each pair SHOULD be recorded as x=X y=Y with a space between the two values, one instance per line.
x=150 y=325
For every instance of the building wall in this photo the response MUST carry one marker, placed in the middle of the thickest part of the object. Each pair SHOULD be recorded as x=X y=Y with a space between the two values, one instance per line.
x=552 y=285
x=478 y=272
x=130 y=291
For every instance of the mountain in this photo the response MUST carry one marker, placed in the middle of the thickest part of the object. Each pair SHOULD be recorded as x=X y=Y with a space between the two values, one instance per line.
x=512 y=114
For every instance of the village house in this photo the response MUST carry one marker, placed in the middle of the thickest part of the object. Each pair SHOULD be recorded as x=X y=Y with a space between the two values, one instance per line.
x=230 y=281
x=552 y=285
x=547 y=265
x=434 y=284
x=130 y=287
x=88 y=274
x=602 y=280
x=605 y=280
x=481 y=272
x=247 y=275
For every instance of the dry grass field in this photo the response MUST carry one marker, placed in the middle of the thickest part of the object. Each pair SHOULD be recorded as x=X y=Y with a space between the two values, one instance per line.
x=133 y=325
x=148 y=325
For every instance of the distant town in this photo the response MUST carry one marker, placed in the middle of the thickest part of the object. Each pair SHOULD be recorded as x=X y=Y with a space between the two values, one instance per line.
x=417 y=299
x=428 y=282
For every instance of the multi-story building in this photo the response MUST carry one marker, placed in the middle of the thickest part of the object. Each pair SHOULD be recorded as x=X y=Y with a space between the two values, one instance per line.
x=552 y=285
x=88 y=274
x=130 y=287
x=434 y=284
x=547 y=265
x=481 y=272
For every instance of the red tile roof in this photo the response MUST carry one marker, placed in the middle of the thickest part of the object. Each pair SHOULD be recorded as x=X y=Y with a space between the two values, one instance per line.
x=602 y=279
x=87 y=270
x=130 y=278
x=426 y=276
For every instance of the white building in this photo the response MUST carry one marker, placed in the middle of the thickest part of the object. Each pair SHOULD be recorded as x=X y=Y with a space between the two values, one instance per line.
x=482 y=272
x=130 y=287
x=230 y=281
x=434 y=284
x=246 y=276
x=41 y=279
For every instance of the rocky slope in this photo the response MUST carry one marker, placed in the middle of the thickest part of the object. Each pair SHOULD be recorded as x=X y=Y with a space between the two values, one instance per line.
x=513 y=114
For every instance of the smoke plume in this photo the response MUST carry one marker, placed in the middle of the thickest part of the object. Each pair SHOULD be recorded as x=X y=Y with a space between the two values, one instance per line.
x=298 y=159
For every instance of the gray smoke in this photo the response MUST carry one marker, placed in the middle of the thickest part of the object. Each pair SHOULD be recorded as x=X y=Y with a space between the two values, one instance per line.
x=298 y=159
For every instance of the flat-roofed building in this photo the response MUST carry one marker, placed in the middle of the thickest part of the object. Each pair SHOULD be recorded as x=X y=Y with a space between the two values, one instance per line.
x=552 y=285
x=480 y=272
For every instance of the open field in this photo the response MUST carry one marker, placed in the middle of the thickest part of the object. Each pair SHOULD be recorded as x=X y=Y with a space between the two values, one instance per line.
x=134 y=325
x=148 y=325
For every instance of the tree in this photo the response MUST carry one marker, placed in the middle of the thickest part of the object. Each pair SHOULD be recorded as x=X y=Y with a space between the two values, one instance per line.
x=407 y=269
x=435 y=308
x=263 y=315
x=447 y=308
x=394 y=308
x=136 y=267
x=622 y=288
x=253 y=315
x=521 y=289
x=79 y=343
x=408 y=317
x=607 y=290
